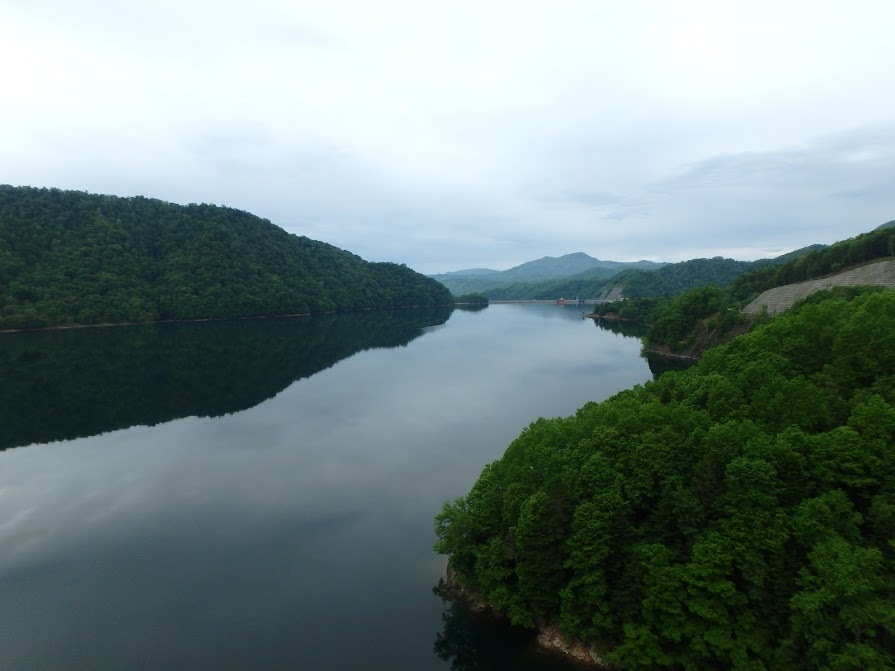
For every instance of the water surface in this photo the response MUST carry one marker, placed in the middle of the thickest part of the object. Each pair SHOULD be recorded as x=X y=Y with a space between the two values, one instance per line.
x=260 y=494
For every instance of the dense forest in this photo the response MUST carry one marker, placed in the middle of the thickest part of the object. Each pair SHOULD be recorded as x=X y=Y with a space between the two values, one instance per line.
x=688 y=323
x=679 y=277
x=587 y=285
x=675 y=278
x=877 y=244
x=737 y=515
x=471 y=299
x=68 y=257
x=668 y=280
x=691 y=321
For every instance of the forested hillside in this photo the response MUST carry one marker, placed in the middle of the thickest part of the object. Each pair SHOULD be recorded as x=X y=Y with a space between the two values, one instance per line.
x=877 y=244
x=779 y=299
x=535 y=278
x=666 y=280
x=68 y=257
x=703 y=316
x=589 y=284
x=738 y=515
x=676 y=278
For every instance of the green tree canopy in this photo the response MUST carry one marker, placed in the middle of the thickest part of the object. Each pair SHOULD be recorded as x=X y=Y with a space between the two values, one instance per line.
x=737 y=515
x=68 y=257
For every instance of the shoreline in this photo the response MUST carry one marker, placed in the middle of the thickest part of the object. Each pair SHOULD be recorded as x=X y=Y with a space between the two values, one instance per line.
x=613 y=317
x=220 y=319
x=670 y=355
x=549 y=638
x=655 y=351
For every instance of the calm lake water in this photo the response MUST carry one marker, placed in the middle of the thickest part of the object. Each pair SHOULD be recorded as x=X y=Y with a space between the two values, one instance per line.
x=260 y=494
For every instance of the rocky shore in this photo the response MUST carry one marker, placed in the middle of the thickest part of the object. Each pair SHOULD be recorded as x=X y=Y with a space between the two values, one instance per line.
x=552 y=639
x=549 y=637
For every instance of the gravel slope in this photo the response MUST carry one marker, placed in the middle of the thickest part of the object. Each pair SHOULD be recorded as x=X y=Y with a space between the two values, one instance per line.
x=778 y=299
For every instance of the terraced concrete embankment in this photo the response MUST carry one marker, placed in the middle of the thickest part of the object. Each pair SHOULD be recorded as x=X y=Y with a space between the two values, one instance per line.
x=778 y=299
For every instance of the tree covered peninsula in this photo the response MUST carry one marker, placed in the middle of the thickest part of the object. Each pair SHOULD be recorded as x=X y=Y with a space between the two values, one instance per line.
x=688 y=322
x=737 y=515
x=68 y=257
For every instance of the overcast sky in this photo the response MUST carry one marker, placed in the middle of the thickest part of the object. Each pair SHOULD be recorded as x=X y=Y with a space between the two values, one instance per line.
x=460 y=134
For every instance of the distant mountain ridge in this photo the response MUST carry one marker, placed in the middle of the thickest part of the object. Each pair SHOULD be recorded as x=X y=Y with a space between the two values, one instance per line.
x=670 y=279
x=790 y=256
x=545 y=269
x=612 y=280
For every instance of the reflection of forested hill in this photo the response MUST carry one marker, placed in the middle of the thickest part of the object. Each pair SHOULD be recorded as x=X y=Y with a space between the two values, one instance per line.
x=658 y=363
x=68 y=257
x=629 y=329
x=59 y=385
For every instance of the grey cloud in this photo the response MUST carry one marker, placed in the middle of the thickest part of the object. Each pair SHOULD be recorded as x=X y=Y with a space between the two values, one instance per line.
x=748 y=203
x=430 y=143
x=598 y=198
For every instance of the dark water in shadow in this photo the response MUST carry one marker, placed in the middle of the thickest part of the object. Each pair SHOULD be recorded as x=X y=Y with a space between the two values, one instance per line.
x=66 y=384
x=260 y=494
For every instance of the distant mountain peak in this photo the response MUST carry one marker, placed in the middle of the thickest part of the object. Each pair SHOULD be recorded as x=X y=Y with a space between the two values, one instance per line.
x=547 y=268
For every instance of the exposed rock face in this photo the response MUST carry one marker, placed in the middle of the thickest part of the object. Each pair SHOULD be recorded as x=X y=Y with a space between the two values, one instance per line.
x=449 y=588
x=552 y=638
x=779 y=299
x=614 y=294
x=549 y=637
